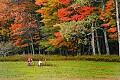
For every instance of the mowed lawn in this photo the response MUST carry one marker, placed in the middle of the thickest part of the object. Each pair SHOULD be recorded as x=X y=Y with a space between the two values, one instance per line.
x=60 y=70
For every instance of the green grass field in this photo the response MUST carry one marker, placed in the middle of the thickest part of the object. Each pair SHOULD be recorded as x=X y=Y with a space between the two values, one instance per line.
x=60 y=70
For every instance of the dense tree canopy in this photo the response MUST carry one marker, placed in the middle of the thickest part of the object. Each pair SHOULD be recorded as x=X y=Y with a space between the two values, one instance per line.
x=60 y=26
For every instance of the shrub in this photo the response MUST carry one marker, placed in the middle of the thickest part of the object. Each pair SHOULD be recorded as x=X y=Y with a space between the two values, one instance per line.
x=105 y=58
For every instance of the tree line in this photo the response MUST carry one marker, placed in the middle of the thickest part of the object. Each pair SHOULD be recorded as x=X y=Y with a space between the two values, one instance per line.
x=65 y=27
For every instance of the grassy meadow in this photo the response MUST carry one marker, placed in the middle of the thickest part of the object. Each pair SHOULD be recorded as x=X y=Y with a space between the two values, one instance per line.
x=60 y=70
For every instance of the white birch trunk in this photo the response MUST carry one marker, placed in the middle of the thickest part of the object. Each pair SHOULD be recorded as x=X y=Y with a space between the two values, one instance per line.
x=92 y=41
x=118 y=26
x=106 y=43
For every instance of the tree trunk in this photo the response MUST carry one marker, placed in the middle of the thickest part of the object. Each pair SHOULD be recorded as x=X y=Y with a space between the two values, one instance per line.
x=98 y=45
x=60 y=52
x=39 y=50
x=118 y=26
x=28 y=49
x=80 y=49
x=103 y=5
x=33 y=51
x=92 y=41
x=106 y=43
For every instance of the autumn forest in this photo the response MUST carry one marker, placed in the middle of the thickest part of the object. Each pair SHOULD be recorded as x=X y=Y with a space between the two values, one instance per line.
x=64 y=27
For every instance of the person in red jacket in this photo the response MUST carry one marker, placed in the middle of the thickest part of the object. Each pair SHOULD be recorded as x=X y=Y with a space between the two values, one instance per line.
x=30 y=61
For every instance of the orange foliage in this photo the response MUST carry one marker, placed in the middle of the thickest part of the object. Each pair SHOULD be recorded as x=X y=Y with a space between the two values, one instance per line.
x=108 y=17
x=5 y=1
x=112 y=30
x=60 y=39
x=44 y=12
x=74 y=13
x=111 y=36
x=54 y=42
x=16 y=42
x=24 y=45
x=57 y=44
x=40 y=2
x=23 y=22
x=3 y=6
x=48 y=11
x=65 y=2
x=105 y=25
x=110 y=3
x=107 y=14
x=15 y=26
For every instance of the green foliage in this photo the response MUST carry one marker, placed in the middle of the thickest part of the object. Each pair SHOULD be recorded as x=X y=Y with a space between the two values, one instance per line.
x=81 y=2
x=49 y=14
x=93 y=17
x=72 y=29
x=47 y=33
x=83 y=12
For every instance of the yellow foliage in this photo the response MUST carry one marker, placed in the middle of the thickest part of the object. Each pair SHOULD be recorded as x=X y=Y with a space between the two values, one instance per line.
x=54 y=42
x=40 y=2
x=57 y=25
x=4 y=31
x=48 y=10
x=54 y=3
x=46 y=21
x=24 y=45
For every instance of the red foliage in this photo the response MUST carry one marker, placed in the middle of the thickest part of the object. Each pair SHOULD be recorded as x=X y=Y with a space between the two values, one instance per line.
x=113 y=29
x=65 y=2
x=15 y=26
x=105 y=25
x=63 y=12
x=59 y=39
x=74 y=13
x=57 y=34
x=75 y=17
x=65 y=19
x=16 y=42
x=82 y=18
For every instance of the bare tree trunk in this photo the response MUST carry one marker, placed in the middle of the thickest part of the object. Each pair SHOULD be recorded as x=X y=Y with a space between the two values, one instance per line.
x=103 y=5
x=39 y=50
x=98 y=45
x=118 y=26
x=79 y=50
x=106 y=43
x=104 y=31
x=92 y=41
x=33 y=51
